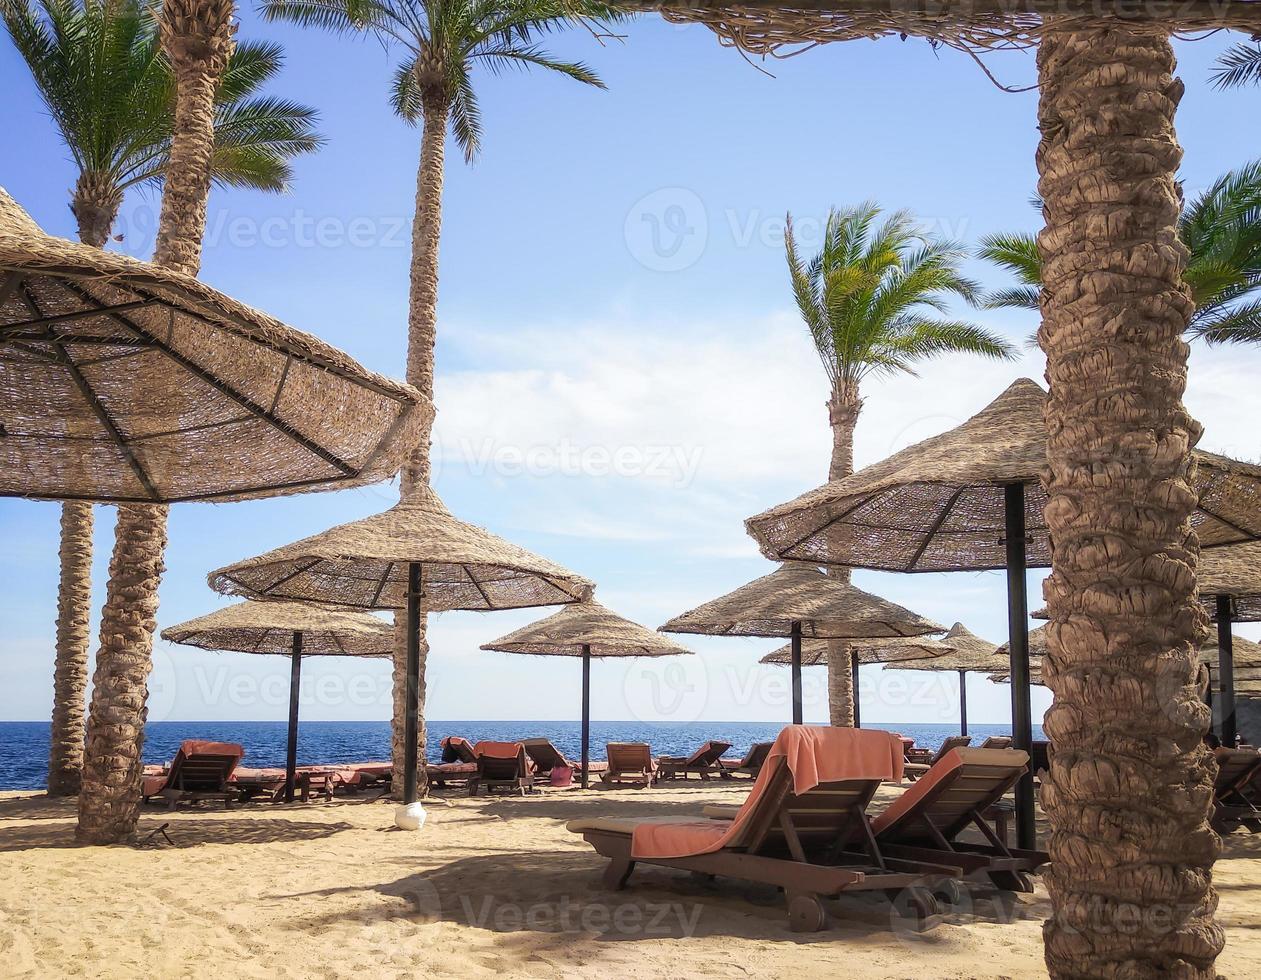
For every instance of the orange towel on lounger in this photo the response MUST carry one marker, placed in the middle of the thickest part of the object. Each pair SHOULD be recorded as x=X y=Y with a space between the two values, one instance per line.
x=497 y=750
x=813 y=755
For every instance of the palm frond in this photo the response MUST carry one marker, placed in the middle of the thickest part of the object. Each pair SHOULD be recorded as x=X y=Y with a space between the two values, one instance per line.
x=867 y=294
x=1018 y=297
x=1238 y=65
x=1238 y=325
x=1016 y=253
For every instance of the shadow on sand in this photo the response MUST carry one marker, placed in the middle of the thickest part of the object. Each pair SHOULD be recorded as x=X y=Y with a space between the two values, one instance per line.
x=28 y=823
x=560 y=892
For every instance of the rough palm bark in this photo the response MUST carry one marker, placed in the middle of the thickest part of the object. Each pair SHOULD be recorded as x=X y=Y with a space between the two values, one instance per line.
x=197 y=36
x=422 y=329
x=1129 y=788
x=843 y=409
x=95 y=205
x=70 y=671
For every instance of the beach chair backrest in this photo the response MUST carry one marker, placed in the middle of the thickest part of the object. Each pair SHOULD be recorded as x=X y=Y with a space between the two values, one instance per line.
x=820 y=822
x=950 y=744
x=996 y=742
x=204 y=766
x=964 y=783
x=544 y=754
x=629 y=756
x=501 y=760
x=457 y=749
x=708 y=754
x=755 y=758
x=1234 y=766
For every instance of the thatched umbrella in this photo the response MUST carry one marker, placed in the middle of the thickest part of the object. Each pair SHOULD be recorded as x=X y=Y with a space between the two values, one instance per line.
x=798 y=601
x=292 y=629
x=586 y=630
x=897 y=650
x=971 y=653
x=971 y=499
x=130 y=383
x=122 y=381
x=415 y=555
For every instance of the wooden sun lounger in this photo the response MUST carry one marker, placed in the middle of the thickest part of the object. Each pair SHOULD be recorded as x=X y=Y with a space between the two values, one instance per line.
x=924 y=823
x=457 y=749
x=996 y=742
x=752 y=762
x=630 y=764
x=922 y=763
x=267 y=785
x=199 y=771
x=704 y=762
x=501 y=765
x=316 y=781
x=814 y=846
x=444 y=774
x=360 y=776
x=1237 y=771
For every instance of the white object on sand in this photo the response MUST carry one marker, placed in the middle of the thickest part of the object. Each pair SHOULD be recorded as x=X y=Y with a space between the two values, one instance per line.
x=409 y=816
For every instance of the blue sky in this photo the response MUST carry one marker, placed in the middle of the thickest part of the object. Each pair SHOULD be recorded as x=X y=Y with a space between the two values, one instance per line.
x=621 y=377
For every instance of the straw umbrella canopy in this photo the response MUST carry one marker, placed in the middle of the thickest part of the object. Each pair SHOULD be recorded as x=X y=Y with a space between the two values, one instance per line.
x=971 y=653
x=416 y=556
x=893 y=650
x=291 y=629
x=121 y=381
x=586 y=629
x=971 y=499
x=798 y=601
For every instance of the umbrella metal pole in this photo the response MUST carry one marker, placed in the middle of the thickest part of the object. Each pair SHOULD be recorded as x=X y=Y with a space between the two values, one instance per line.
x=291 y=749
x=1226 y=670
x=586 y=711
x=1018 y=642
x=411 y=728
x=853 y=682
x=795 y=640
x=963 y=702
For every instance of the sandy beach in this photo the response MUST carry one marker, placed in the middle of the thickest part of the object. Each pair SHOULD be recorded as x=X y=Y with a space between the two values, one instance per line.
x=490 y=887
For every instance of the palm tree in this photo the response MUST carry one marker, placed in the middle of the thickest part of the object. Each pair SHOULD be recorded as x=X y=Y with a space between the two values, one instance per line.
x=197 y=40
x=1130 y=783
x=1221 y=229
x=109 y=91
x=443 y=43
x=875 y=300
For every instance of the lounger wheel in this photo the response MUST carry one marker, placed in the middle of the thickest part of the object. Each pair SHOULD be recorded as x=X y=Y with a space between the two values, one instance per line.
x=918 y=906
x=806 y=912
x=949 y=892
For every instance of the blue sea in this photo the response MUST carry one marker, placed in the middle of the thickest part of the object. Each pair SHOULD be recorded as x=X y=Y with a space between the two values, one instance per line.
x=24 y=745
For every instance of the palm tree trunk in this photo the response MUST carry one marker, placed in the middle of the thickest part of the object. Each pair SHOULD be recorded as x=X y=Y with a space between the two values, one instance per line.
x=197 y=38
x=843 y=409
x=422 y=333
x=95 y=206
x=70 y=671
x=1129 y=788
